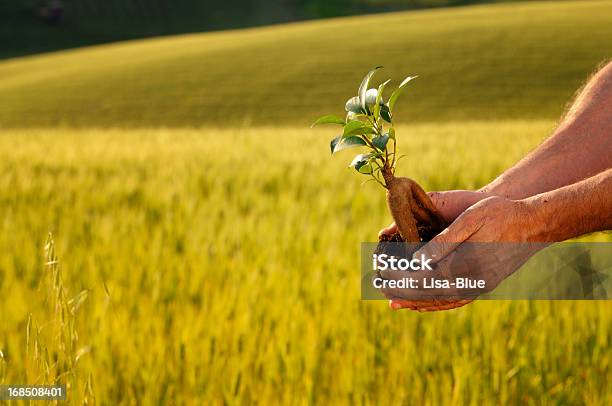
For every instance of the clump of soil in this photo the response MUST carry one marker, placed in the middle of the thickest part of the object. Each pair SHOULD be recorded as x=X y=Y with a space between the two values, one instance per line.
x=426 y=233
x=385 y=242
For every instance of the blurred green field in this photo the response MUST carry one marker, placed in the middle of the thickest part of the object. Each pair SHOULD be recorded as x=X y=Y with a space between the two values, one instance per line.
x=503 y=61
x=229 y=285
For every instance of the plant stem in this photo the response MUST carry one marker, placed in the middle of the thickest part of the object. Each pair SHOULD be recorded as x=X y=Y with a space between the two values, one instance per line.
x=393 y=162
x=368 y=142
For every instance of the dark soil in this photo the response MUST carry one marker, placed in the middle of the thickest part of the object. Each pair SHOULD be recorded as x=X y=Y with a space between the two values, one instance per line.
x=404 y=251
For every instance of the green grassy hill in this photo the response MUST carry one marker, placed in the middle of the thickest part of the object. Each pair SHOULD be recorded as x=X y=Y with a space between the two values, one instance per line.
x=484 y=62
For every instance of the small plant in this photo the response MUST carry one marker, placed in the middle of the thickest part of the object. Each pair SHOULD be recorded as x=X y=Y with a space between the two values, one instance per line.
x=369 y=124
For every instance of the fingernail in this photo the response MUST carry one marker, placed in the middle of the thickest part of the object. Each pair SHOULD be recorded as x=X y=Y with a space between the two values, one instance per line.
x=395 y=305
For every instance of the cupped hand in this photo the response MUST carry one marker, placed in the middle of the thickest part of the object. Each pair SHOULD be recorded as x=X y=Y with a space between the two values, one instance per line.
x=457 y=253
x=450 y=204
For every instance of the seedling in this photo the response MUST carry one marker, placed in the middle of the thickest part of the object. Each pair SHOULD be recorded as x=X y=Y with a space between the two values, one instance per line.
x=369 y=124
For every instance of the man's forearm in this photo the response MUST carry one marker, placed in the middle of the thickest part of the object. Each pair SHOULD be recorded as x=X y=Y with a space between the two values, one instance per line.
x=574 y=210
x=579 y=148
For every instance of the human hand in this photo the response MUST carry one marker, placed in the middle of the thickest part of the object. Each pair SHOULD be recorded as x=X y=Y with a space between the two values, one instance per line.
x=456 y=252
x=449 y=203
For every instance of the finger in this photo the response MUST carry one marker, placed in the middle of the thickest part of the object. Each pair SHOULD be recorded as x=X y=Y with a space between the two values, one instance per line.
x=411 y=285
x=409 y=298
x=409 y=295
x=444 y=306
x=442 y=202
x=396 y=304
x=427 y=306
x=389 y=230
x=437 y=198
x=445 y=242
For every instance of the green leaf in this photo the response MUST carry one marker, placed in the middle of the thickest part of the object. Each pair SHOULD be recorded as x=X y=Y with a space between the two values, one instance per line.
x=379 y=98
x=366 y=169
x=348 y=142
x=353 y=105
x=350 y=116
x=398 y=91
x=360 y=160
x=328 y=119
x=392 y=133
x=385 y=113
x=334 y=142
x=363 y=88
x=365 y=130
x=380 y=141
x=351 y=126
x=357 y=127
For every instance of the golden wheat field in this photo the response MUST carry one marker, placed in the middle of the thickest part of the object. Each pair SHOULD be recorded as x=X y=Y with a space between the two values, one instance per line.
x=222 y=266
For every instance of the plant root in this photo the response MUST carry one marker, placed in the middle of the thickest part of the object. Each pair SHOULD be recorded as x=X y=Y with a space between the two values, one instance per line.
x=412 y=210
x=418 y=221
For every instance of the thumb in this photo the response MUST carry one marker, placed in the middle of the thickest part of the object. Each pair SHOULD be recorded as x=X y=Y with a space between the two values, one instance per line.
x=449 y=239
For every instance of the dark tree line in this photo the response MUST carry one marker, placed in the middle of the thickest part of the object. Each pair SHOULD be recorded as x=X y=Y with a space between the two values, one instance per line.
x=29 y=26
